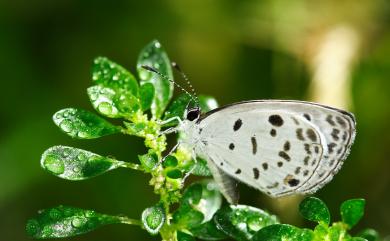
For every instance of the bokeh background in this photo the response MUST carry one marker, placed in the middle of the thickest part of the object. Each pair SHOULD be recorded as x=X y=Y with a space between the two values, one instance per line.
x=331 y=51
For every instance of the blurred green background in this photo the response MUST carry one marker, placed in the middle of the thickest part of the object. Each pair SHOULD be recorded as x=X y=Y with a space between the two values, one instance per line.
x=334 y=52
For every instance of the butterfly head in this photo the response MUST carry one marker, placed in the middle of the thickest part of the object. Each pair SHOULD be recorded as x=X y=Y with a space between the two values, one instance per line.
x=192 y=114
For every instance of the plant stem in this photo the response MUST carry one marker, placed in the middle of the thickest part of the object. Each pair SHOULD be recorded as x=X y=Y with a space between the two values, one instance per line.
x=131 y=221
x=132 y=166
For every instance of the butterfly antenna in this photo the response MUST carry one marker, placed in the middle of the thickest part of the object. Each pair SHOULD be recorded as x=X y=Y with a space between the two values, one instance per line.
x=184 y=76
x=151 y=69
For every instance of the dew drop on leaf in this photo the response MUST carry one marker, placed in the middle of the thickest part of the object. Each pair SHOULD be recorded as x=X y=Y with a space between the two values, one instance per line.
x=54 y=165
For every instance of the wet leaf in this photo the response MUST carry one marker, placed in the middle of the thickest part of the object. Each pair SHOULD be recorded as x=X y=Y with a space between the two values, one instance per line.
x=314 y=209
x=352 y=211
x=75 y=164
x=181 y=236
x=109 y=74
x=64 y=221
x=369 y=234
x=170 y=161
x=283 y=232
x=113 y=103
x=82 y=124
x=146 y=93
x=148 y=161
x=199 y=203
x=174 y=173
x=154 y=55
x=153 y=218
x=208 y=231
x=241 y=222
x=201 y=168
x=177 y=108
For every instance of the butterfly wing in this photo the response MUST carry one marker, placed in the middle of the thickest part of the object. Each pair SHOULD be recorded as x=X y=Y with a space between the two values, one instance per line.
x=279 y=147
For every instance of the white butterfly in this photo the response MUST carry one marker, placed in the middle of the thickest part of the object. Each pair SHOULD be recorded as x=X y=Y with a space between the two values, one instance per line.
x=280 y=147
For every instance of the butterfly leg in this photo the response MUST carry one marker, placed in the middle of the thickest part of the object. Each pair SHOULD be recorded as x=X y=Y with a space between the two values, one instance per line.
x=169 y=153
x=170 y=120
x=192 y=169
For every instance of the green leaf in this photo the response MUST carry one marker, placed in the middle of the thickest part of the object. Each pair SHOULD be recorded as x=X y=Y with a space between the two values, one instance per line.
x=148 y=161
x=146 y=93
x=369 y=234
x=241 y=222
x=207 y=103
x=283 y=232
x=153 y=218
x=75 y=164
x=208 y=231
x=174 y=173
x=82 y=124
x=352 y=211
x=181 y=236
x=201 y=168
x=113 y=103
x=177 y=108
x=109 y=74
x=154 y=55
x=64 y=221
x=314 y=209
x=170 y=161
x=199 y=203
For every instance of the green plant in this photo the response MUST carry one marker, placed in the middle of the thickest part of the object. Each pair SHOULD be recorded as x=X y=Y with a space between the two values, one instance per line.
x=144 y=106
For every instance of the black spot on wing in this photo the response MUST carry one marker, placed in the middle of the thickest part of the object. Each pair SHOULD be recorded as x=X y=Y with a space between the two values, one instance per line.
x=331 y=147
x=311 y=135
x=273 y=132
x=238 y=171
x=293 y=182
x=297 y=170
x=275 y=120
x=280 y=164
x=256 y=173
x=254 y=145
x=286 y=146
x=285 y=156
x=231 y=146
x=330 y=120
x=306 y=160
x=299 y=132
x=307 y=117
x=237 y=125
x=341 y=121
x=335 y=134
x=265 y=166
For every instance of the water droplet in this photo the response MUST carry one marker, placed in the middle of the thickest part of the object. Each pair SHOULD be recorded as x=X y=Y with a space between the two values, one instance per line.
x=156 y=65
x=105 y=108
x=59 y=115
x=157 y=45
x=115 y=77
x=95 y=76
x=55 y=214
x=54 y=165
x=89 y=213
x=82 y=157
x=255 y=223
x=76 y=169
x=146 y=55
x=82 y=134
x=66 y=126
x=77 y=222
x=66 y=152
x=32 y=227
x=66 y=114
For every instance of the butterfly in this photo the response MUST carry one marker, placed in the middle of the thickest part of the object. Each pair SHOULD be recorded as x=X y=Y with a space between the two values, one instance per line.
x=280 y=147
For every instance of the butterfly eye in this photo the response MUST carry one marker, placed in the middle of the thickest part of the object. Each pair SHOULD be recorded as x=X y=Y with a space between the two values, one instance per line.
x=193 y=114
